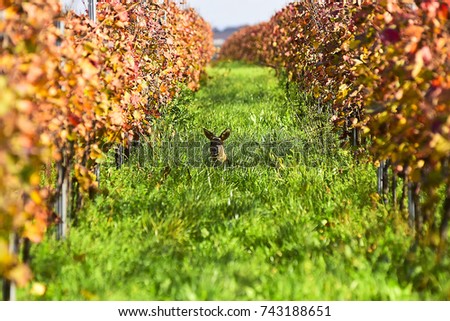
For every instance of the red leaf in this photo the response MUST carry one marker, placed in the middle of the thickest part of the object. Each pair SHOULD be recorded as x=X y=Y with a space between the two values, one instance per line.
x=390 y=35
x=74 y=120
x=443 y=11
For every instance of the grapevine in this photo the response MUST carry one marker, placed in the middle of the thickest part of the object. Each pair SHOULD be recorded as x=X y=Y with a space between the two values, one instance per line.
x=69 y=95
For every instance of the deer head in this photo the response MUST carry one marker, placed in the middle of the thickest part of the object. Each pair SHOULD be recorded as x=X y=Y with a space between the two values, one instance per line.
x=216 y=147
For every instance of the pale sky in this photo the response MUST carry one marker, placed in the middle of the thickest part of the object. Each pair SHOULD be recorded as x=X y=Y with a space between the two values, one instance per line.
x=78 y=6
x=220 y=13
x=231 y=13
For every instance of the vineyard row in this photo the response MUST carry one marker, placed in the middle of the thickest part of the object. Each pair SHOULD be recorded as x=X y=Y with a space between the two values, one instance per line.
x=384 y=68
x=72 y=89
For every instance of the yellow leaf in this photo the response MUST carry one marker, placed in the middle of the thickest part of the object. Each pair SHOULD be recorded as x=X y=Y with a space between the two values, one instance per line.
x=38 y=289
x=5 y=256
x=7 y=98
x=95 y=153
x=420 y=163
x=440 y=144
x=35 y=179
x=137 y=115
x=343 y=92
x=34 y=195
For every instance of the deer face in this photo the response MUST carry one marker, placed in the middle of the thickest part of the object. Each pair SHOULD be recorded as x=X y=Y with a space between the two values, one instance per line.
x=216 y=147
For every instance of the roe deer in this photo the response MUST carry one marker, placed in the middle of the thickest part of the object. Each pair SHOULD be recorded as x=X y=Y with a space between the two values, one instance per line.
x=216 y=148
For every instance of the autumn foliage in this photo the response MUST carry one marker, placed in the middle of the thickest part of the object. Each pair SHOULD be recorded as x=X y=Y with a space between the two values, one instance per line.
x=68 y=95
x=384 y=67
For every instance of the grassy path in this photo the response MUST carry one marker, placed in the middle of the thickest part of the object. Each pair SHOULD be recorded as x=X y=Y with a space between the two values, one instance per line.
x=297 y=222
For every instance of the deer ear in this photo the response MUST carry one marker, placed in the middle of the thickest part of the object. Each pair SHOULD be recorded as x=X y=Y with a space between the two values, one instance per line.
x=225 y=134
x=208 y=134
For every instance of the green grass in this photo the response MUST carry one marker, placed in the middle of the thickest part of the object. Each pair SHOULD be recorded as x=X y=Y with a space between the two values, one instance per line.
x=300 y=223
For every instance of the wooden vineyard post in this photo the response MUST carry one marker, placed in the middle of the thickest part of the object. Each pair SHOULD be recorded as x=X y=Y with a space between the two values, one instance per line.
x=62 y=202
x=355 y=137
x=386 y=180
x=63 y=167
x=119 y=156
x=92 y=10
x=383 y=179
x=92 y=5
x=97 y=173
x=8 y=287
x=443 y=229
x=380 y=177
x=394 y=189
x=411 y=204
x=61 y=205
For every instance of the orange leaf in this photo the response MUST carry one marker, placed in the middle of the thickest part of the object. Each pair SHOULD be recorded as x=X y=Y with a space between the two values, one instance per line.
x=20 y=275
